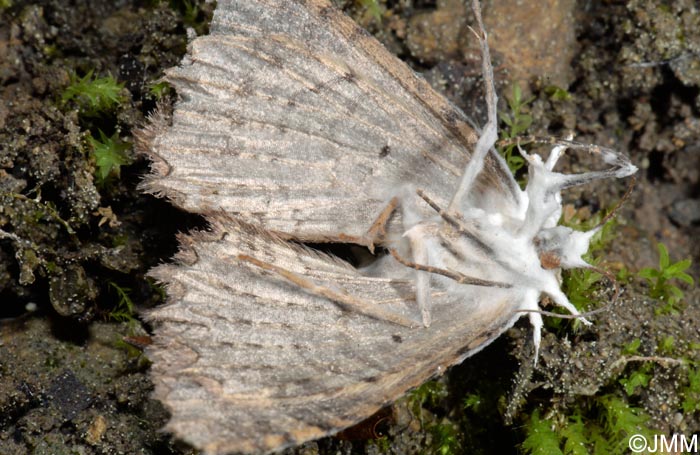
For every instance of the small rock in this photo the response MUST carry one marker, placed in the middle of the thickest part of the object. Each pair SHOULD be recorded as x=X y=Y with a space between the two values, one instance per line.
x=69 y=395
x=685 y=211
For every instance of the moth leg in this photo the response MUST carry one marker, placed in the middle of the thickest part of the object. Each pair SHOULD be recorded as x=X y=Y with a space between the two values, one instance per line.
x=530 y=304
x=418 y=238
x=344 y=299
x=561 y=300
x=378 y=228
x=419 y=251
x=456 y=276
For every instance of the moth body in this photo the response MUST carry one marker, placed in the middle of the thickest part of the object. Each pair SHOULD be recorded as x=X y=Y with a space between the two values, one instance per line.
x=497 y=248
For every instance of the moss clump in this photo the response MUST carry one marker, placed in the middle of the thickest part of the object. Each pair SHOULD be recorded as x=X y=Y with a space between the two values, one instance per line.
x=602 y=426
x=110 y=155
x=517 y=121
x=93 y=95
x=661 y=280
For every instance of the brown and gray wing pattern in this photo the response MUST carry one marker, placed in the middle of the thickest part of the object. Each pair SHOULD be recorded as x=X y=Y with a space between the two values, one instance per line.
x=246 y=361
x=292 y=117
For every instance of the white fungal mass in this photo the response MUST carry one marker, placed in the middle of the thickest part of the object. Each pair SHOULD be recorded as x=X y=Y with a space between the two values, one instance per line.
x=509 y=242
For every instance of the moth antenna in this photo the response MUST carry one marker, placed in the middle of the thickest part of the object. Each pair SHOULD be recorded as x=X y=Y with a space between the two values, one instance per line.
x=346 y=300
x=455 y=276
x=489 y=134
x=450 y=219
x=620 y=165
x=613 y=212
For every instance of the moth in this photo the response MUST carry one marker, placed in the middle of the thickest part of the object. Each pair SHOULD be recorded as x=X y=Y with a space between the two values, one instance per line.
x=294 y=127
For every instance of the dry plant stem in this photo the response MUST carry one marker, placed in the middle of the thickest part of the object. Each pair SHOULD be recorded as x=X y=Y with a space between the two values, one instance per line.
x=613 y=212
x=665 y=361
x=346 y=300
x=607 y=274
x=11 y=236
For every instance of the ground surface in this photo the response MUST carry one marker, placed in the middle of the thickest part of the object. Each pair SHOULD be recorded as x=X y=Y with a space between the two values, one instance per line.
x=72 y=244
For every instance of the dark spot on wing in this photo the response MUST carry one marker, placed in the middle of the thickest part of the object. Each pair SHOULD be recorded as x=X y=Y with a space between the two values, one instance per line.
x=358 y=34
x=275 y=61
x=326 y=12
x=397 y=338
x=289 y=438
x=371 y=379
x=384 y=151
x=465 y=349
x=245 y=88
x=451 y=118
x=485 y=337
x=349 y=76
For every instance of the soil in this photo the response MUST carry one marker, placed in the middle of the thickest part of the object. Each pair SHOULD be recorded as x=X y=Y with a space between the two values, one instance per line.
x=73 y=245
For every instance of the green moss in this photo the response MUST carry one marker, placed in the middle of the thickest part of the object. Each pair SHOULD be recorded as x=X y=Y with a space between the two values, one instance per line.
x=637 y=379
x=446 y=439
x=192 y=14
x=575 y=436
x=541 y=438
x=429 y=394
x=110 y=155
x=603 y=426
x=93 y=96
x=621 y=421
x=691 y=392
x=382 y=444
x=632 y=347
x=372 y=8
x=557 y=93
x=661 y=280
x=124 y=311
x=159 y=89
x=517 y=122
x=157 y=288
x=666 y=345
x=473 y=402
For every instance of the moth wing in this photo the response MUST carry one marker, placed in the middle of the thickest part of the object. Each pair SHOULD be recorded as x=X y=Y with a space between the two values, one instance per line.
x=293 y=117
x=248 y=362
